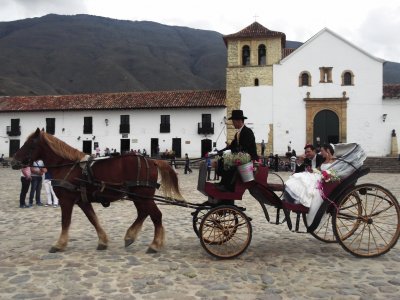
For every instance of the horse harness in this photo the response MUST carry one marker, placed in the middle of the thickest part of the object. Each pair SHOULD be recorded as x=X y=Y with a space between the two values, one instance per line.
x=89 y=180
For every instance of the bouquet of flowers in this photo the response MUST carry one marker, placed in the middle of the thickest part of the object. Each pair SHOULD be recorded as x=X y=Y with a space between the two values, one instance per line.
x=232 y=160
x=327 y=175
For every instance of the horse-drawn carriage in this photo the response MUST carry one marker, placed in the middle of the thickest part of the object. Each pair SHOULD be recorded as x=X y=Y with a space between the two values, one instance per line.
x=364 y=218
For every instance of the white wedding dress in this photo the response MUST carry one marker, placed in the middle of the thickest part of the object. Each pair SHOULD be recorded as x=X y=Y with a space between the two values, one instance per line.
x=303 y=187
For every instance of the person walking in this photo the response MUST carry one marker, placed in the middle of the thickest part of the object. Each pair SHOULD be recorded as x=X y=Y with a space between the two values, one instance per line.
x=215 y=167
x=37 y=172
x=52 y=199
x=97 y=151
x=187 y=164
x=276 y=162
x=25 y=184
x=262 y=148
x=208 y=162
x=293 y=159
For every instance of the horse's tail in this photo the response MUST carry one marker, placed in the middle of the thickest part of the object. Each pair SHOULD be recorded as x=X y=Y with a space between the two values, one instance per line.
x=169 y=180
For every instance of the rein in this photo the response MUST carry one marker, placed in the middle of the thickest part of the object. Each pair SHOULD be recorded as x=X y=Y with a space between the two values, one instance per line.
x=203 y=158
x=52 y=166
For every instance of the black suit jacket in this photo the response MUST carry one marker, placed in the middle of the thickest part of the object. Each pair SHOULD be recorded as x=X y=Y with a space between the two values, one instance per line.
x=247 y=143
x=307 y=163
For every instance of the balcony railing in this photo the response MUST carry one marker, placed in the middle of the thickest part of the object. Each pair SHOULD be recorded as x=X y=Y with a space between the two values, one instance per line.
x=13 y=131
x=165 y=127
x=205 y=128
x=124 y=128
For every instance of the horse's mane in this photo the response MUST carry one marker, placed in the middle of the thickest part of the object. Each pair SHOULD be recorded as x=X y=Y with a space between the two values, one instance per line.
x=61 y=148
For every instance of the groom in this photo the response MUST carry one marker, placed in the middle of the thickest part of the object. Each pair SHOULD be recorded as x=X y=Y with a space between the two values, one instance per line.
x=310 y=159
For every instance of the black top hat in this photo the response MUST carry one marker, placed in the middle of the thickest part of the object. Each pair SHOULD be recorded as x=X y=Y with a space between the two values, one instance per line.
x=237 y=114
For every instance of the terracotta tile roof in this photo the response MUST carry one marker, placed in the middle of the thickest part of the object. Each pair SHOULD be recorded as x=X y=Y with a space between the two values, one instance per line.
x=287 y=51
x=391 y=91
x=134 y=100
x=255 y=30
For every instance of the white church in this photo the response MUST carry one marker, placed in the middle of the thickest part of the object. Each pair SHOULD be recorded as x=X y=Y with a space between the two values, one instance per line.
x=327 y=90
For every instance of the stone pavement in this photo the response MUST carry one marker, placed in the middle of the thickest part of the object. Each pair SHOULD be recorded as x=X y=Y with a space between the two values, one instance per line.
x=278 y=264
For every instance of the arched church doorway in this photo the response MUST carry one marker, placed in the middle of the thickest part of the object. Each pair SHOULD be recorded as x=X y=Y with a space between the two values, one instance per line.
x=326 y=127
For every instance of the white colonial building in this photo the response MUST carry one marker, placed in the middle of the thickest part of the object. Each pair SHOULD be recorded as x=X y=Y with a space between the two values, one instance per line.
x=190 y=122
x=327 y=90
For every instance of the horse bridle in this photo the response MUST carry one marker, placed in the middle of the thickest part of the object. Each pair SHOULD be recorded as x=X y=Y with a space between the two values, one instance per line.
x=31 y=148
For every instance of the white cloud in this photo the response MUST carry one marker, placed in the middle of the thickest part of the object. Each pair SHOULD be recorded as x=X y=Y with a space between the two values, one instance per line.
x=21 y=9
x=379 y=34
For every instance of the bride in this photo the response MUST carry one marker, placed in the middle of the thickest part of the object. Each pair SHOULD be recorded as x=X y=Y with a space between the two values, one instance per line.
x=303 y=188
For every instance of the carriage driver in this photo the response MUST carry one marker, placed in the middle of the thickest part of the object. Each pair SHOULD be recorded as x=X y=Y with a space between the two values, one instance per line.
x=244 y=141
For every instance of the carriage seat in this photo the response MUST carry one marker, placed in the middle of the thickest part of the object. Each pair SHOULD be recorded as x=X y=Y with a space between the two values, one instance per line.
x=209 y=189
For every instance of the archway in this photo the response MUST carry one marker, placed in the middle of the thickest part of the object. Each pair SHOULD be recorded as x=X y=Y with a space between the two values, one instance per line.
x=326 y=127
x=205 y=146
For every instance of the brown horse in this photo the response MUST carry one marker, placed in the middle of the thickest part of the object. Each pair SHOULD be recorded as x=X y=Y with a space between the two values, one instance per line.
x=79 y=181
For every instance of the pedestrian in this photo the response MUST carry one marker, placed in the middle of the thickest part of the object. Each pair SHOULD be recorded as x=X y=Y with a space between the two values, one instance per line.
x=187 y=164
x=25 y=184
x=262 y=148
x=97 y=151
x=289 y=147
x=276 y=163
x=271 y=160
x=215 y=166
x=208 y=162
x=172 y=161
x=144 y=152
x=107 y=152
x=52 y=199
x=293 y=159
x=37 y=171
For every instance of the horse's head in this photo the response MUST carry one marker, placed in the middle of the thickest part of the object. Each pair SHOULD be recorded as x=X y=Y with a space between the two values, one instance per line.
x=28 y=153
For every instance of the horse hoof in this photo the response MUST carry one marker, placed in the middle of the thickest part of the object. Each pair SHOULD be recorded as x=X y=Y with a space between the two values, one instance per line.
x=151 y=250
x=101 y=247
x=54 y=250
x=128 y=242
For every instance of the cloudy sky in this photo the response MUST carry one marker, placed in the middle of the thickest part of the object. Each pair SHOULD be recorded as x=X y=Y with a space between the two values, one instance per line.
x=370 y=24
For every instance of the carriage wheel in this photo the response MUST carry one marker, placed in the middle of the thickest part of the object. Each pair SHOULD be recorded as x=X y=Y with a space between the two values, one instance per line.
x=374 y=229
x=324 y=232
x=225 y=231
x=198 y=215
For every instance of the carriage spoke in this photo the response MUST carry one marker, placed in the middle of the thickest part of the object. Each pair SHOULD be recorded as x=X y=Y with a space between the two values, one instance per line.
x=382 y=229
x=326 y=227
x=375 y=242
x=381 y=211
